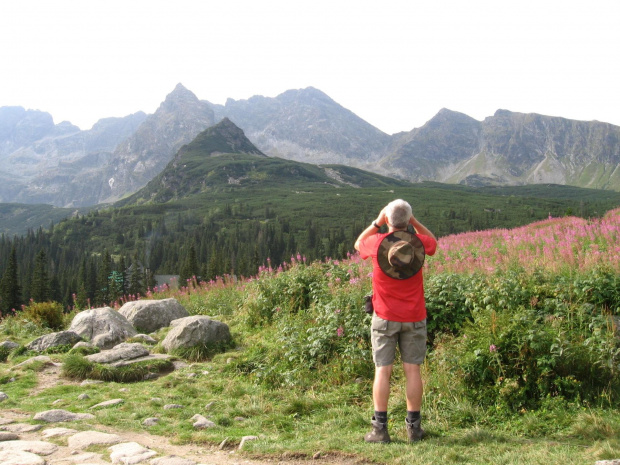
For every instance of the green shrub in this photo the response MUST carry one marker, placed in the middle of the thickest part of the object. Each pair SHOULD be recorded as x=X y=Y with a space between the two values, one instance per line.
x=47 y=314
x=515 y=359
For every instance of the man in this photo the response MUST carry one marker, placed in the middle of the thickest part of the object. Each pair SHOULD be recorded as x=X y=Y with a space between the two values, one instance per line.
x=399 y=310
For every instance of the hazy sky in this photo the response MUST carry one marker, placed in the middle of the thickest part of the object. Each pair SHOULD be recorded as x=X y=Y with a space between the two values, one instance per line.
x=393 y=63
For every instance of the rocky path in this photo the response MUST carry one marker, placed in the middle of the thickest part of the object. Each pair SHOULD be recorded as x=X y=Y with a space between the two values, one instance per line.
x=52 y=443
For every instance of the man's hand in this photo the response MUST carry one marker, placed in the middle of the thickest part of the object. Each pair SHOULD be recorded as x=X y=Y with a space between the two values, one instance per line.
x=381 y=219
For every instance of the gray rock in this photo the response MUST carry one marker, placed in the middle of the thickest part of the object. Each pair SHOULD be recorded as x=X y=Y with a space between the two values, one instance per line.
x=83 y=397
x=151 y=421
x=201 y=422
x=60 y=338
x=145 y=338
x=245 y=439
x=35 y=447
x=55 y=432
x=3 y=396
x=150 y=315
x=130 y=453
x=103 y=327
x=39 y=358
x=21 y=428
x=195 y=330
x=58 y=415
x=150 y=357
x=172 y=460
x=108 y=403
x=608 y=462
x=84 y=439
x=18 y=457
x=172 y=406
x=122 y=351
x=4 y=436
x=9 y=345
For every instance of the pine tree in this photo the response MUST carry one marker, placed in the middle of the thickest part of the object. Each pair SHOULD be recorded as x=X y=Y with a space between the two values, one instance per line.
x=190 y=269
x=103 y=285
x=10 y=291
x=136 y=282
x=40 y=287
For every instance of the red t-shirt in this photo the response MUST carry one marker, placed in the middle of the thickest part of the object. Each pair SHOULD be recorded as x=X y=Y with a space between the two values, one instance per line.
x=396 y=299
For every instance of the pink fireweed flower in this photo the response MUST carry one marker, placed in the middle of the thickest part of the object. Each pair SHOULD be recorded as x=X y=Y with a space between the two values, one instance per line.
x=492 y=348
x=340 y=331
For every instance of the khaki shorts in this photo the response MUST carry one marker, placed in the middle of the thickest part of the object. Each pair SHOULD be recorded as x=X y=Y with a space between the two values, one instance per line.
x=411 y=339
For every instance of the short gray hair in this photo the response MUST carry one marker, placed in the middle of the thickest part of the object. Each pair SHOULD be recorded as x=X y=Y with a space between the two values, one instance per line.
x=398 y=213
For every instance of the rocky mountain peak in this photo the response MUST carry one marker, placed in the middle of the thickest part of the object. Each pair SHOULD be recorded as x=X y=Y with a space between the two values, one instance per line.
x=224 y=137
x=179 y=98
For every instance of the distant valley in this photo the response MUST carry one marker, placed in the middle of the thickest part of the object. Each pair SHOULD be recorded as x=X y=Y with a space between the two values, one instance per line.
x=60 y=165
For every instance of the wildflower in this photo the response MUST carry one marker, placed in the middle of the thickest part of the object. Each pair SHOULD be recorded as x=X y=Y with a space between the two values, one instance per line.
x=492 y=348
x=338 y=310
x=340 y=331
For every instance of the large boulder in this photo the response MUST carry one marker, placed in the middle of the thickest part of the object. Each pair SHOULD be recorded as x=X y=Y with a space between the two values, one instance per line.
x=61 y=338
x=195 y=330
x=103 y=327
x=123 y=351
x=150 y=315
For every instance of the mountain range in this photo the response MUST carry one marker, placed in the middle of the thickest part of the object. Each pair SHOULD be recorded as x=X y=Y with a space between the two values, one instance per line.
x=61 y=165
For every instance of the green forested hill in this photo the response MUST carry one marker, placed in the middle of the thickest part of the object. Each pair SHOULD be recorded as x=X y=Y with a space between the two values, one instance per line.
x=212 y=212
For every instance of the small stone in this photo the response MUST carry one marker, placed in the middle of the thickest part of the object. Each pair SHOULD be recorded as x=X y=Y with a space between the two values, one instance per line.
x=191 y=375
x=223 y=444
x=4 y=436
x=240 y=419
x=86 y=439
x=144 y=338
x=55 y=432
x=172 y=406
x=123 y=390
x=39 y=358
x=108 y=403
x=14 y=457
x=57 y=401
x=150 y=376
x=22 y=428
x=156 y=399
x=317 y=455
x=34 y=447
x=57 y=415
x=130 y=453
x=201 y=422
x=83 y=397
x=10 y=345
x=3 y=396
x=209 y=405
x=152 y=421
x=245 y=439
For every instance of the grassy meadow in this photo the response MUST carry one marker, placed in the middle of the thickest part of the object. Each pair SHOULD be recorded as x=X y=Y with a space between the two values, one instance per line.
x=523 y=364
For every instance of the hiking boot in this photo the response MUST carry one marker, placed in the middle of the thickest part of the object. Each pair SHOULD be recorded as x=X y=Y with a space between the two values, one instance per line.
x=379 y=432
x=414 y=431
